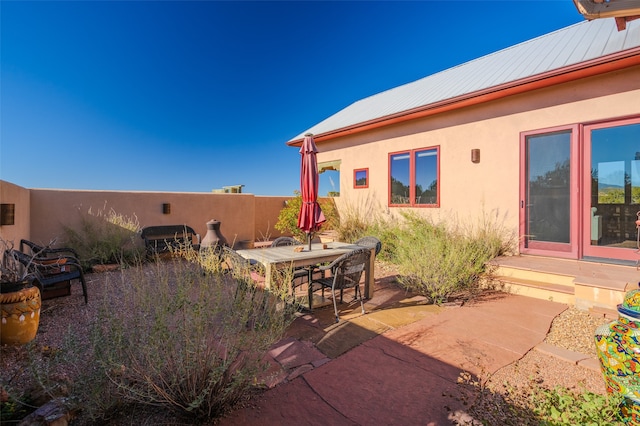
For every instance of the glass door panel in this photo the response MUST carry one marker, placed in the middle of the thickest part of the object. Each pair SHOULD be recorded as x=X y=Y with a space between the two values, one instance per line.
x=614 y=187
x=548 y=199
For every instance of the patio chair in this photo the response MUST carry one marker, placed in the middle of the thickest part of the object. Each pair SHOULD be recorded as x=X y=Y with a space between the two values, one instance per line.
x=46 y=251
x=370 y=242
x=48 y=273
x=245 y=272
x=346 y=272
x=240 y=267
x=300 y=275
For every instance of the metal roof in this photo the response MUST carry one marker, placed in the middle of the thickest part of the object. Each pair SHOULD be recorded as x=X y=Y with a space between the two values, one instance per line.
x=566 y=47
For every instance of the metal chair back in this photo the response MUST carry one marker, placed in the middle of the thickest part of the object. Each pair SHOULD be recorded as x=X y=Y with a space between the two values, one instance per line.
x=346 y=272
x=370 y=242
x=285 y=241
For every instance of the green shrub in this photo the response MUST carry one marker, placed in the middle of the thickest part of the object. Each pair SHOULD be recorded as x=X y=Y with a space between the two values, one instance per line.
x=354 y=224
x=438 y=260
x=562 y=407
x=288 y=216
x=15 y=408
x=360 y=218
x=105 y=237
x=177 y=335
x=534 y=404
x=204 y=339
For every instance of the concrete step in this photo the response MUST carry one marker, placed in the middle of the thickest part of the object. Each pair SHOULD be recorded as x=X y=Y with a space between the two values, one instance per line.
x=534 y=275
x=537 y=289
x=610 y=314
x=593 y=284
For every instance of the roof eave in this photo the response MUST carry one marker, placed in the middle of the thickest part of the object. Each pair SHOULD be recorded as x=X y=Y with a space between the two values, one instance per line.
x=604 y=64
x=591 y=9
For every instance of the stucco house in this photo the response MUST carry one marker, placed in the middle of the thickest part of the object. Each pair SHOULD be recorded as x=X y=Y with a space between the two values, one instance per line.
x=544 y=134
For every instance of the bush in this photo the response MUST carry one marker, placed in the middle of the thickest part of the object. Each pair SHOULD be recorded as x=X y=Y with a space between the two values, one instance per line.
x=438 y=260
x=288 y=217
x=535 y=404
x=105 y=238
x=353 y=224
x=177 y=335
x=562 y=407
x=360 y=218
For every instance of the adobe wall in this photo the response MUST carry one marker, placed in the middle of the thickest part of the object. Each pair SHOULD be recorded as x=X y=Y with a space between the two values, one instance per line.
x=468 y=190
x=19 y=196
x=42 y=214
x=266 y=214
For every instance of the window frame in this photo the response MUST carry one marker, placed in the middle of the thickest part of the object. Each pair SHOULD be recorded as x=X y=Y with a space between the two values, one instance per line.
x=412 y=177
x=355 y=180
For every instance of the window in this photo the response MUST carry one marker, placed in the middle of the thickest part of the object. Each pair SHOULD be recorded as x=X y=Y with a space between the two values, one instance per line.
x=413 y=178
x=361 y=178
x=329 y=178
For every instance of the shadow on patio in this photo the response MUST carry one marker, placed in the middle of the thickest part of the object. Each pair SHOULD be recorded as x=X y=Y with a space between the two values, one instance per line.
x=400 y=363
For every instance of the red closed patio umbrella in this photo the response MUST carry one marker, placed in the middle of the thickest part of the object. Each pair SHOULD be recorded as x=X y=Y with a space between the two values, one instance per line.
x=310 y=217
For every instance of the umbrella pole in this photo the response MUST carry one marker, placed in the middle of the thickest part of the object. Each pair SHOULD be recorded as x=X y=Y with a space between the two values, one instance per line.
x=309 y=237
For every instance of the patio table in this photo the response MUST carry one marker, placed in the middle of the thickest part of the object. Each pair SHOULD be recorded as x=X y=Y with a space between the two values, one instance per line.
x=274 y=258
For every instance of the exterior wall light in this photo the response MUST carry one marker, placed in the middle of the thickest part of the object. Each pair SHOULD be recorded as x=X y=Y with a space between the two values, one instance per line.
x=166 y=208
x=7 y=214
x=475 y=155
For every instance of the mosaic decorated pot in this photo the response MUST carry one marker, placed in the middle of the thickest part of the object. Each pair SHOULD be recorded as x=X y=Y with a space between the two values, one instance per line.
x=618 y=347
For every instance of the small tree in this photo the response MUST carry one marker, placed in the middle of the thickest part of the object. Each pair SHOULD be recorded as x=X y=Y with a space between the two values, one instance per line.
x=288 y=217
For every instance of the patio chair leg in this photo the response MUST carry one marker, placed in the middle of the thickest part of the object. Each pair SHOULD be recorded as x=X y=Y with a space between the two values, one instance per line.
x=84 y=289
x=335 y=306
x=361 y=302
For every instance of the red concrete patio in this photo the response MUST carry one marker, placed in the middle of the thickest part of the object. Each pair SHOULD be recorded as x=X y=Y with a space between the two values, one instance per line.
x=398 y=364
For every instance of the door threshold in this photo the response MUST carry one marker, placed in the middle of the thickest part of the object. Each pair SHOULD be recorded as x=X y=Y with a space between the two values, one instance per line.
x=620 y=262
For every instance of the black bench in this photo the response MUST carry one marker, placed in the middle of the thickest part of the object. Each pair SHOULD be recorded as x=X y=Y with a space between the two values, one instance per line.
x=168 y=238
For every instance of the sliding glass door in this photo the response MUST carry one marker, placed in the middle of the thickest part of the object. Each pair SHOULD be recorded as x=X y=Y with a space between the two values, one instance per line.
x=612 y=183
x=580 y=191
x=548 y=193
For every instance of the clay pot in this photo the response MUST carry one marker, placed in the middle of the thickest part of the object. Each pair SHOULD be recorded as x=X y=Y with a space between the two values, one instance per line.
x=20 y=315
x=214 y=237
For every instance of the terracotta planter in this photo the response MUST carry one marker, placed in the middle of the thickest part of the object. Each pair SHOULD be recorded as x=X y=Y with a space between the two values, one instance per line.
x=20 y=315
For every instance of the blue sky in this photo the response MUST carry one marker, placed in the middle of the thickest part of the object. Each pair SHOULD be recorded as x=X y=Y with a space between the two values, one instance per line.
x=192 y=96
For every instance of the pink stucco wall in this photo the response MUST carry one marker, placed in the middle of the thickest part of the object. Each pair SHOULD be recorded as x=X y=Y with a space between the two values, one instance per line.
x=42 y=214
x=19 y=196
x=468 y=190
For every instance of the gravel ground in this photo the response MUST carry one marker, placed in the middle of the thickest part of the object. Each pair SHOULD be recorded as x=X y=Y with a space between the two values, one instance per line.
x=573 y=330
x=503 y=397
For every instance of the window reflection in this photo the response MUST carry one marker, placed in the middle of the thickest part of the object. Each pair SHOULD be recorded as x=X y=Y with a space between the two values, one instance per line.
x=548 y=187
x=615 y=185
x=426 y=177
x=414 y=177
x=400 y=178
x=361 y=178
x=611 y=182
x=635 y=180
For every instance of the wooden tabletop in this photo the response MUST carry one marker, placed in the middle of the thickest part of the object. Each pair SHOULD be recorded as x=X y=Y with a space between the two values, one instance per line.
x=287 y=256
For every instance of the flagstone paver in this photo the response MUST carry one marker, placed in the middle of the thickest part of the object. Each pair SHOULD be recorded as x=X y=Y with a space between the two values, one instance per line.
x=398 y=364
